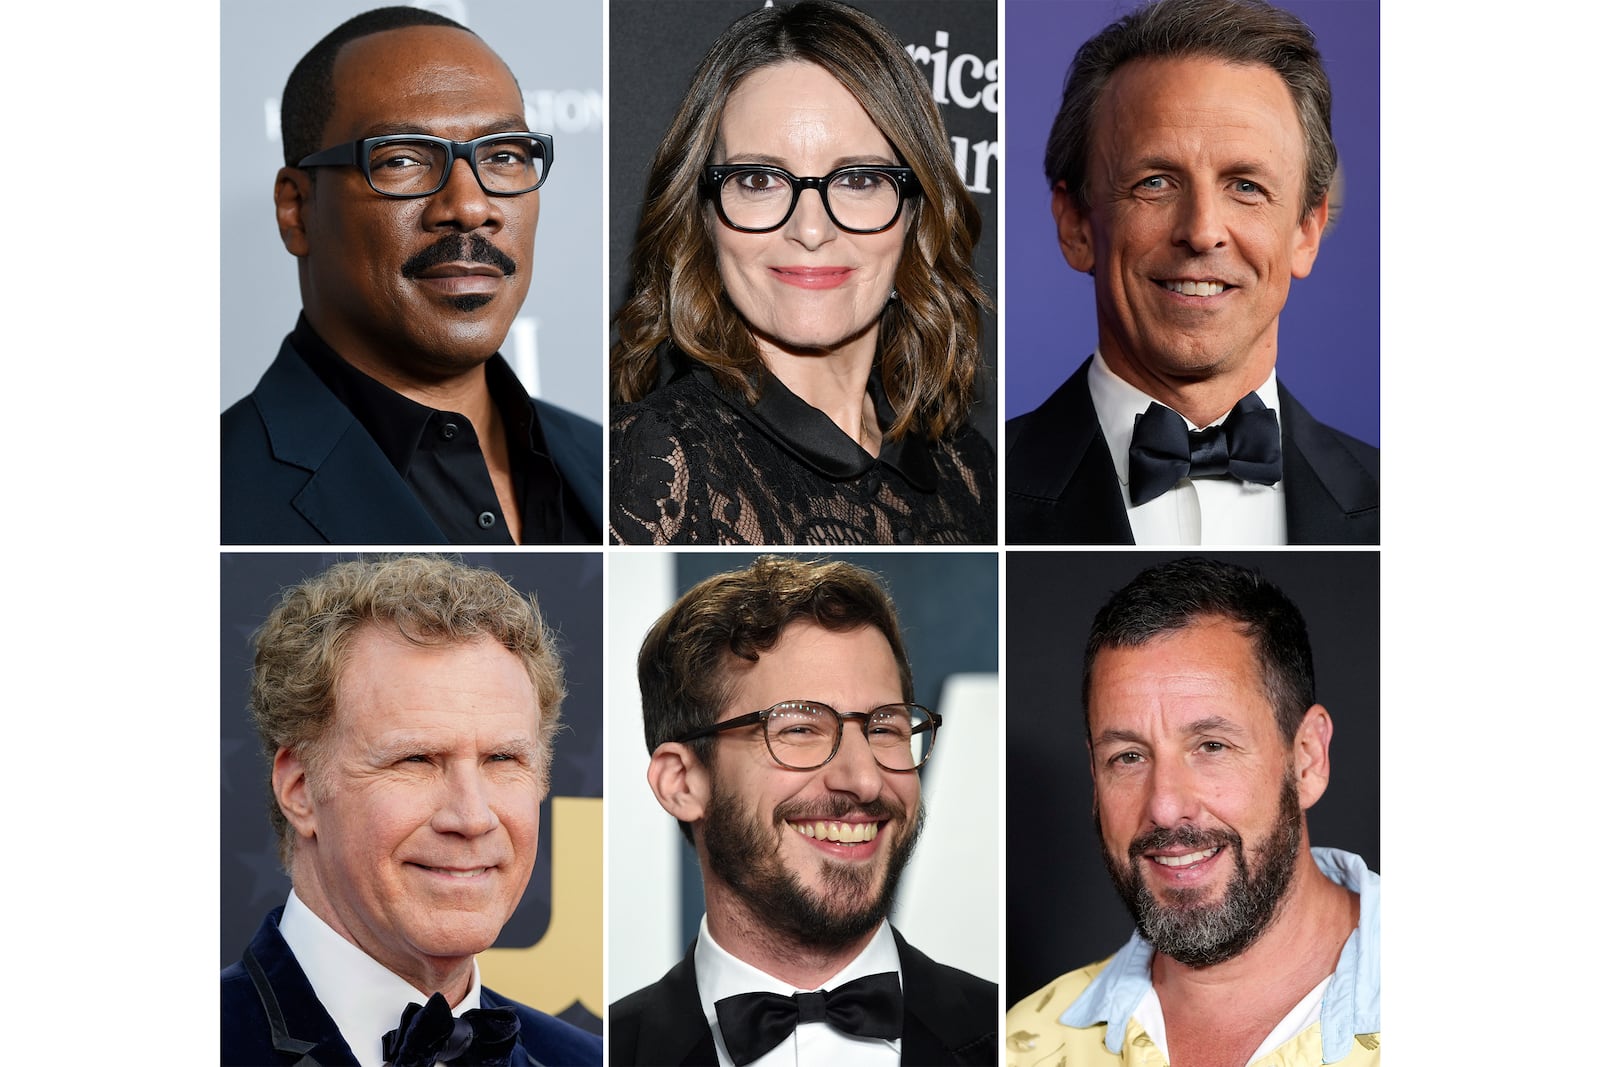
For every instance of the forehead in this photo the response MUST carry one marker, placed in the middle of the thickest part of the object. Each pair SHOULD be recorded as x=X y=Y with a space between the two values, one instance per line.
x=794 y=108
x=853 y=670
x=1199 y=108
x=388 y=683
x=1202 y=671
x=421 y=76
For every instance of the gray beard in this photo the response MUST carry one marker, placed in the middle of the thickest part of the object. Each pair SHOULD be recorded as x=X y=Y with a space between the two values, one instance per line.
x=745 y=855
x=1197 y=934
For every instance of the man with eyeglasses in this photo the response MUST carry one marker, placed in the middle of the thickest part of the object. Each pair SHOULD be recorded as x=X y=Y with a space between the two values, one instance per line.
x=410 y=198
x=783 y=739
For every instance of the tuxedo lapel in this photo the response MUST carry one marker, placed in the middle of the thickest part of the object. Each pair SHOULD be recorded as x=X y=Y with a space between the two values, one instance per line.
x=666 y=1023
x=950 y=1015
x=1330 y=481
x=299 y=1030
x=1061 y=485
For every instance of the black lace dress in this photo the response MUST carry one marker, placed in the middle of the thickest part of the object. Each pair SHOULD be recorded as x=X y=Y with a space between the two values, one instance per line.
x=694 y=465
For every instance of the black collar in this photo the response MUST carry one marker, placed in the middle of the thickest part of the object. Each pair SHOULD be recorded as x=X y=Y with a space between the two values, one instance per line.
x=808 y=434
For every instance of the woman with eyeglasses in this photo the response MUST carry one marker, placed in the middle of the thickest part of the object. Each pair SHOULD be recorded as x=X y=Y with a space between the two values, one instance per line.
x=799 y=351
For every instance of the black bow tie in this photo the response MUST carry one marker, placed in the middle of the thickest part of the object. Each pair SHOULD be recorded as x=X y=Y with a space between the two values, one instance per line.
x=429 y=1034
x=754 y=1024
x=1245 y=446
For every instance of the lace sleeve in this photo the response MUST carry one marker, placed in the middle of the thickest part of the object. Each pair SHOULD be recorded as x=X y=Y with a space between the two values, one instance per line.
x=649 y=481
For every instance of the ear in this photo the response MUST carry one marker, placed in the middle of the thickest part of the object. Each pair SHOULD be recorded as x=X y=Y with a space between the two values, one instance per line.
x=681 y=783
x=1310 y=755
x=291 y=195
x=293 y=792
x=1072 y=229
x=1308 y=239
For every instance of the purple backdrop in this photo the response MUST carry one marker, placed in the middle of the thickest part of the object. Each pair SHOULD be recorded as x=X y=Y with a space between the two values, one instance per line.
x=1328 y=335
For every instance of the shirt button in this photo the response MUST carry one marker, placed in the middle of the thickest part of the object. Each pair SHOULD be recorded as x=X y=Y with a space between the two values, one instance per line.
x=904 y=535
x=486 y=519
x=448 y=431
x=872 y=485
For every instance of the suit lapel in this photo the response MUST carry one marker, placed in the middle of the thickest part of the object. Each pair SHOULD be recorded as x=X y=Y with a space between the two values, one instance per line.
x=1331 y=498
x=1061 y=486
x=353 y=495
x=301 y=1026
x=940 y=1027
x=672 y=1028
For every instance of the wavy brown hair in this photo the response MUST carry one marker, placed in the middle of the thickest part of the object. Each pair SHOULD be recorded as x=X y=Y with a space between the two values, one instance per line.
x=929 y=340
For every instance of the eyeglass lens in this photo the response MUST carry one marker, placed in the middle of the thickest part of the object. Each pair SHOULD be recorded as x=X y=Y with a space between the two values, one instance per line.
x=802 y=735
x=859 y=198
x=412 y=168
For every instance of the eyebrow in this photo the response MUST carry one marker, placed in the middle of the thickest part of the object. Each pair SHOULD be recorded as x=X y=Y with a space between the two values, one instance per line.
x=870 y=159
x=1211 y=724
x=507 y=123
x=421 y=744
x=1238 y=166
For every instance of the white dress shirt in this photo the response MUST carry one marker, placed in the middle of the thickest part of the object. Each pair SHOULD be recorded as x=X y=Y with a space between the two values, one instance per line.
x=719 y=974
x=363 y=996
x=1301 y=1018
x=1198 y=511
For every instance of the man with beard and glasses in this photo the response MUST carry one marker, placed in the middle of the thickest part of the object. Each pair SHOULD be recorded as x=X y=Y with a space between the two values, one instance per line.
x=409 y=197
x=778 y=714
x=1206 y=747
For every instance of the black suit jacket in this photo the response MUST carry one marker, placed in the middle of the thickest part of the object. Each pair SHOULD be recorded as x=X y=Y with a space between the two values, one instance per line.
x=271 y=1016
x=1061 y=486
x=299 y=469
x=950 y=1018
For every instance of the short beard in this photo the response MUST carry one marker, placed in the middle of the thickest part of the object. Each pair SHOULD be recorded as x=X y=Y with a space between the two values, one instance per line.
x=1196 y=934
x=744 y=854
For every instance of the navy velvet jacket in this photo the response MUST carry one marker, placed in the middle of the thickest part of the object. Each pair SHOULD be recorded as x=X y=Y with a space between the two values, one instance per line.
x=271 y=1017
x=299 y=469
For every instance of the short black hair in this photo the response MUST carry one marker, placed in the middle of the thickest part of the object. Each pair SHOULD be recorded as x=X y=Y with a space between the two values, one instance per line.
x=1170 y=597
x=308 y=95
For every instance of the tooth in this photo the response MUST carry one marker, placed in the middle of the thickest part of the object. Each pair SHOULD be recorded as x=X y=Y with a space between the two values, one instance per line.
x=1188 y=288
x=871 y=831
x=822 y=830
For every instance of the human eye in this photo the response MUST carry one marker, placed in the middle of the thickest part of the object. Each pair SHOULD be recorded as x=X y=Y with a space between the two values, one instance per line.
x=401 y=155
x=861 y=181
x=755 y=182
x=1125 y=759
x=1214 y=747
x=1154 y=183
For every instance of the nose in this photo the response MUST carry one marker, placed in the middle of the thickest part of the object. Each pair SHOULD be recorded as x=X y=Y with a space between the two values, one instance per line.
x=853 y=769
x=1200 y=223
x=465 y=808
x=809 y=224
x=461 y=204
x=1172 y=797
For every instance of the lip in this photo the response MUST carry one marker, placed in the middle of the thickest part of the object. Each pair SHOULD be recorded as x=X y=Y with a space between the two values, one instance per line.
x=462 y=279
x=1193 y=299
x=1187 y=874
x=453 y=875
x=862 y=850
x=813 y=277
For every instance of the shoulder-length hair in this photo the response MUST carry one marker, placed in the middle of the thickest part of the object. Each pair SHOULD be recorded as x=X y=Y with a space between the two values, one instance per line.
x=929 y=340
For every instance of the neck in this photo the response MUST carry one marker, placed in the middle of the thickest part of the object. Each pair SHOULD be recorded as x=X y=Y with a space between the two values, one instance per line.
x=833 y=382
x=748 y=937
x=1202 y=396
x=1299 y=949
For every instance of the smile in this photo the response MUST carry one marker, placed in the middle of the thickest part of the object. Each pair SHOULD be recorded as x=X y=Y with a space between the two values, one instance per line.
x=457 y=872
x=1194 y=288
x=1187 y=858
x=813 y=277
x=845 y=833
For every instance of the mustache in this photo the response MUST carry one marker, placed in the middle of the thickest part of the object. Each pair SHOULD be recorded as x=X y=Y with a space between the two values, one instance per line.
x=1185 y=836
x=459 y=248
x=836 y=807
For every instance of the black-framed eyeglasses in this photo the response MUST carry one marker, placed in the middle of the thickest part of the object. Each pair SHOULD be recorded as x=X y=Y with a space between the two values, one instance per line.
x=802 y=735
x=409 y=165
x=754 y=198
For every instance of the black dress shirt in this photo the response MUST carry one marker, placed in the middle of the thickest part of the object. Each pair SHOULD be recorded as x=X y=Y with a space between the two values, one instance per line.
x=438 y=455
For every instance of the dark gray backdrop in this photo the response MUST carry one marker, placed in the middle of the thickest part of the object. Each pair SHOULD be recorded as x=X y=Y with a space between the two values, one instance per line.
x=656 y=45
x=1061 y=911
x=568 y=589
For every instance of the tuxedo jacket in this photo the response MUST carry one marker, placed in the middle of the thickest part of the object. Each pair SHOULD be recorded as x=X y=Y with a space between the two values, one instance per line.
x=950 y=1018
x=271 y=1017
x=1061 y=486
x=298 y=468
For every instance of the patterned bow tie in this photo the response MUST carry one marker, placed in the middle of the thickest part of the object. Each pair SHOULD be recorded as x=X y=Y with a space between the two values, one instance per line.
x=429 y=1034
x=754 y=1024
x=1245 y=446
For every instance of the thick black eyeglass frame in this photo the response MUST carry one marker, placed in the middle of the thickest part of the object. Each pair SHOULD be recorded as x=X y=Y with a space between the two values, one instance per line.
x=931 y=727
x=358 y=154
x=713 y=177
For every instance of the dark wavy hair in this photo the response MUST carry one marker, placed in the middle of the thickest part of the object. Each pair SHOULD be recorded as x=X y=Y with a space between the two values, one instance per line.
x=929 y=340
x=1173 y=596
x=1237 y=31
x=685 y=678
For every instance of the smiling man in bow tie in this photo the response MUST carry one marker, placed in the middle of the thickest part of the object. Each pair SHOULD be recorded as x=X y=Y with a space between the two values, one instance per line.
x=407 y=705
x=409 y=197
x=1190 y=166
x=778 y=713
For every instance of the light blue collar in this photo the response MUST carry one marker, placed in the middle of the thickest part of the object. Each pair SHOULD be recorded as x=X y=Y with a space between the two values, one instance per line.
x=1349 y=1006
